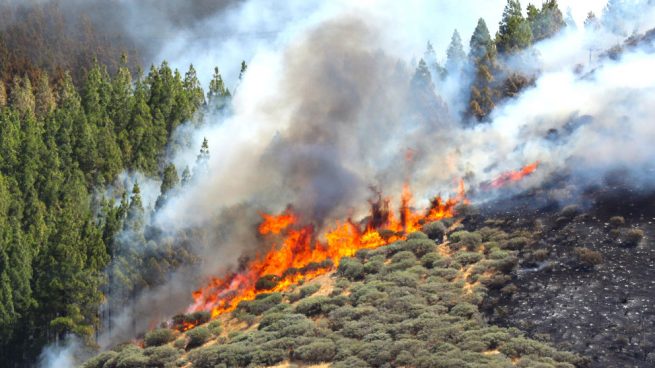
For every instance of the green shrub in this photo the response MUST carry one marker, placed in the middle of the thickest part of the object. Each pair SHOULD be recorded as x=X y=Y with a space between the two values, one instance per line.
x=197 y=337
x=261 y=304
x=129 y=357
x=466 y=239
x=373 y=267
x=402 y=278
x=417 y=235
x=588 y=258
x=435 y=230
x=351 y=362
x=617 y=221
x=243 y=316
x=268 y=357
x=315 y=305
x=351 y=268
x=402 y=260
x=319 y=350
x=231 y=355
x=179 y=343
x=420 y=246
x=159 y=337
x=161 y=356
x=465 y=310
x=467 y=257
x=432 y=260
x=309 y=290
x=215 y=327
x=99 y=360
x=632 y=237
x=376 y=353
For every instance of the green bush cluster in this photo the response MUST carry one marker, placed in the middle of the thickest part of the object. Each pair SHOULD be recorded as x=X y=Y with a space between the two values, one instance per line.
x=399 y=305
x=159 y=337
x=197 y=336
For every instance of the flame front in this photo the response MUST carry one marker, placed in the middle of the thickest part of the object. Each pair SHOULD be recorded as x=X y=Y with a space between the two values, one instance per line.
x=298 y=253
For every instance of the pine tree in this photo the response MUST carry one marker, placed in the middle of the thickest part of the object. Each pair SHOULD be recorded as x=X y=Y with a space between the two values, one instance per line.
x=169 y=181
x=22 y=97
x=481 y=42
x=10 y=140
x=44 y=97
x=202 y=161
x=218 y=95
x=546 y=22
x=120 y=108
x=422 y=78
x=514 y=33
x=456 y=57
x=193 y=88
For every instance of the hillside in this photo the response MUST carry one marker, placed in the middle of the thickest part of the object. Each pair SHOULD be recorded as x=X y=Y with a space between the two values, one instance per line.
x=412 y=303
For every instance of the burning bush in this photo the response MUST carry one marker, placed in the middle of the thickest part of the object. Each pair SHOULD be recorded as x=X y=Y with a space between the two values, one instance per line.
x=159 y=337
x=185 y=321
x=267 y=282
x=588 y=258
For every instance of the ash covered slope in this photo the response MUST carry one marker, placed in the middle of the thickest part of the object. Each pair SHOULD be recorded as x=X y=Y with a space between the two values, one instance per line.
x=586 y=280
x=412 y=303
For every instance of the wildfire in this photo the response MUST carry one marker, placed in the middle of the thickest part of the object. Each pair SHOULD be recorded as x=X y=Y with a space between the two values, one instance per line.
x=513 y=176
x=298 y=252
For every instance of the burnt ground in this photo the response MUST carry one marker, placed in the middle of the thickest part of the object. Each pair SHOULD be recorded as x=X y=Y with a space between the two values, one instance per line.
x=605 y=312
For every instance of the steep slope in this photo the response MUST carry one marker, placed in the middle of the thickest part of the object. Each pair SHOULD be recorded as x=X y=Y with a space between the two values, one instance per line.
x=413 y=303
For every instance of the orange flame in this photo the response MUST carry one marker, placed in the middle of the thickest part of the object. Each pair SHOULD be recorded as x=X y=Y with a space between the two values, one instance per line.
x=275 y=224
x=297 y=252
x=513 y=176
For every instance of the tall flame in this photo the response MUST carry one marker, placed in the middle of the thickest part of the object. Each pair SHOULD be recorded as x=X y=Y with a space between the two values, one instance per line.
x=298 y=252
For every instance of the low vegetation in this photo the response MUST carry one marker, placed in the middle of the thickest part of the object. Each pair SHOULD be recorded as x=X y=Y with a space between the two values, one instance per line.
x=406 y=304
